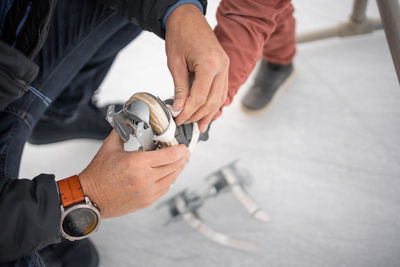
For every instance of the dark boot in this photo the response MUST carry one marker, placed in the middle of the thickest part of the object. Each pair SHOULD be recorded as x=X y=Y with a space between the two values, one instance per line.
x=89 y=123
x=81 y=253
x=270 y=79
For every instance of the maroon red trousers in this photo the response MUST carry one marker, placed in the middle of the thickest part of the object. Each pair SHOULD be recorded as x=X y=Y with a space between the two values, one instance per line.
x=252 y=29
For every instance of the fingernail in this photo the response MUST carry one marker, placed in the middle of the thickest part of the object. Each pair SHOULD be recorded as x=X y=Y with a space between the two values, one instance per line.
x=181 y=122
x=178 y=103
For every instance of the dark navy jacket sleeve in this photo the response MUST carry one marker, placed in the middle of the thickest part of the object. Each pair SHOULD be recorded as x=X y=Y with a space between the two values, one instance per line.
x=148 y=14
x=29 y=216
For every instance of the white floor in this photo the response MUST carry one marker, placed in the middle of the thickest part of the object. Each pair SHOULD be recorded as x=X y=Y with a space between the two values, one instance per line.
x=325 y=160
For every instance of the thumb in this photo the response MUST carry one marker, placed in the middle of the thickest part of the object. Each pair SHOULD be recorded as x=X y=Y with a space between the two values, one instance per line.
x=180 y=75
x=113 y=142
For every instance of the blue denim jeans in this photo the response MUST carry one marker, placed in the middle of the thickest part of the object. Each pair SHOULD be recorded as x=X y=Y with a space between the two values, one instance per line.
x=83 y=41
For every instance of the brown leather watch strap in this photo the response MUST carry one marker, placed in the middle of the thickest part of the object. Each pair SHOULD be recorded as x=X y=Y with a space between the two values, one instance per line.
x=70 y=191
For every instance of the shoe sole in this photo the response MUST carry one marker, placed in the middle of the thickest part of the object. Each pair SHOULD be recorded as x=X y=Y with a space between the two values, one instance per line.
x=279 y=91
x=158 y=120
x=37 y=140
x=53 y=135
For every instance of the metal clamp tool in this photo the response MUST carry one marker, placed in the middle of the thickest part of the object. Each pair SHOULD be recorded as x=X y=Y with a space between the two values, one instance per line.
x=186 y=204
x=133 y=120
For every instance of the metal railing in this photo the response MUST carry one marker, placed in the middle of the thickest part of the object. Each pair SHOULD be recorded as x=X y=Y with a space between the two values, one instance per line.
x=360 y=24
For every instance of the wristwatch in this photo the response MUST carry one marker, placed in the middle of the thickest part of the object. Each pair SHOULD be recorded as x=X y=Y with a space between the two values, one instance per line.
x=79 y=216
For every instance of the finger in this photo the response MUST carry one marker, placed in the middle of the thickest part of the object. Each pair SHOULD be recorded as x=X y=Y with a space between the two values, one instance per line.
x=163 y=185
x=226 y=89
x=167 y=180
x=160 y=193
x=167 y=155
x=164 y=170
x=113 y=141
x=213 y=100
x=204 y=122
x=198 y=95
x=223 y=101
x=180 y=75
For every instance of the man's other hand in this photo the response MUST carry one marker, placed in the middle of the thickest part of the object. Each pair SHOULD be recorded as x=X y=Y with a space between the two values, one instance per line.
x=191 y=46
x=120 y=182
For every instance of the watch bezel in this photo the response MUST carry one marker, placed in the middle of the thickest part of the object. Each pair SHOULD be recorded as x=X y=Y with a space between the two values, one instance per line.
x=67 y=210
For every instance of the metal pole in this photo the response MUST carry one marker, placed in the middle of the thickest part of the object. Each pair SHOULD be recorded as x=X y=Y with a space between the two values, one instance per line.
x=358 y=24
x=390 y=15
x=359 y=11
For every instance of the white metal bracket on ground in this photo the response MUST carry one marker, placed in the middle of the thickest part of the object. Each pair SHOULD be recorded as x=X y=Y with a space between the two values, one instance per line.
x=229 y=178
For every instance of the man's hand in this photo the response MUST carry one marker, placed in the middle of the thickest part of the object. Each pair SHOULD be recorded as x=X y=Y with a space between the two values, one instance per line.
x=120 y=182
x=192 y=47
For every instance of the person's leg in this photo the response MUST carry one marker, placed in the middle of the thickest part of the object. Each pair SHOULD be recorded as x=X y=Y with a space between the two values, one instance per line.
x=276 y=68
x=78 y=68
x=33 y=260
x=79 y=30
x=280 y=48
x=79 y=91
x=82 y=34
x=73 y=114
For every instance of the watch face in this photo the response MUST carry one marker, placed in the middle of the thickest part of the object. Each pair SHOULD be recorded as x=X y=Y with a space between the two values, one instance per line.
x=80 y=222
